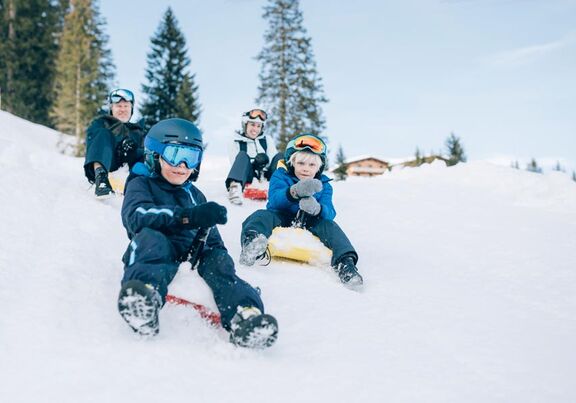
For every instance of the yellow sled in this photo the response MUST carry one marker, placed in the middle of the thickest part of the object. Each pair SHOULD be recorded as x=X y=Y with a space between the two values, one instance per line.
x=299 y=245
x=117 y=182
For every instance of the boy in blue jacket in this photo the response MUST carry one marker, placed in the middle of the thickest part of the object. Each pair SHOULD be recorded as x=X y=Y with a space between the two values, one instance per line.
x=300 y=185
x=162 y=213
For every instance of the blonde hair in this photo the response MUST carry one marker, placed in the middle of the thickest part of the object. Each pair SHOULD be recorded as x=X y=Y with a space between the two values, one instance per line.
x=304 y=156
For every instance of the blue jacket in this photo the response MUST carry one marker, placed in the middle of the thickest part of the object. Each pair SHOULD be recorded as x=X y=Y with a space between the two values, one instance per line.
x=280 y=200
x=151 y=202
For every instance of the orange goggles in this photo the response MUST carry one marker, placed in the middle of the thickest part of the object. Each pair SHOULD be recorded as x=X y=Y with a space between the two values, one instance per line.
x=257 y=113
x=312 y=143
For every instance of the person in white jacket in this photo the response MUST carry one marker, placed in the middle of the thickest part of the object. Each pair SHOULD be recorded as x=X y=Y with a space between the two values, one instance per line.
x=252 y=154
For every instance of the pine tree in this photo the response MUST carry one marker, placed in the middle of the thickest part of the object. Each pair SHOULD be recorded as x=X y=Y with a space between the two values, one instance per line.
x=28 y=49
x=455 y=150
x=574 y=176
x=533 y=167
x=559 y=167
x=418 y=157
x=171 y=91
x=290 y=87
x=84 y=70
x=515 y=164
x=341 y=170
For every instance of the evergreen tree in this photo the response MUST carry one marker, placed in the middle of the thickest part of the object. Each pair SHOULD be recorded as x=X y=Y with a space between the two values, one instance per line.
x=418 y=157
x=559 y=167
x=84 y=70
x=533 y=167
x=574 y=176
x=341 y=165
x=290 y=87
x=28 y=50
x=170 y=91
x=515 y=164
x=455 y=150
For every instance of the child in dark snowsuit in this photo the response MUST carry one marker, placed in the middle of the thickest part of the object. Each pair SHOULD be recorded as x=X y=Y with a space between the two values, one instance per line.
x=300 y=185
x=162 y=213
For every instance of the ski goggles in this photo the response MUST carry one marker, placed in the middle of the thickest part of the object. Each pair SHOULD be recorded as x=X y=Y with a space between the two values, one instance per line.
x=121 y=94
x=175 y=154
x=257 y=113
x=308 y=142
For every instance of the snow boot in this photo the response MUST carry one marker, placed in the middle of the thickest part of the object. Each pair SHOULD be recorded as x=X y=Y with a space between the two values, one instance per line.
x=253 y=329
x=103 y=188
x=139 y=305
x=235 y=193
x=348 y=273
x=253 y=249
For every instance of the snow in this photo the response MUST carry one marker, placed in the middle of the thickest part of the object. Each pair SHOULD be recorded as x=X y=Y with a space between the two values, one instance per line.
x=470 y=293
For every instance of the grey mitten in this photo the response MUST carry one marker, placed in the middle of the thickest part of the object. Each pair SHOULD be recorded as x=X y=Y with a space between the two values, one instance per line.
x=310 y=205
x=305 y=188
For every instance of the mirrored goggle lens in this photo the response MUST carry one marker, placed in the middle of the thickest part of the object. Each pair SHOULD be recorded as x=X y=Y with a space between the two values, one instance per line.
x=175 y=155
x=257 y=113
x=121 y=94
x=312 y=143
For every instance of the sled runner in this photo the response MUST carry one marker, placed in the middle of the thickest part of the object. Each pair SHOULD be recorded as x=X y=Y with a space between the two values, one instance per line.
x=205 y=313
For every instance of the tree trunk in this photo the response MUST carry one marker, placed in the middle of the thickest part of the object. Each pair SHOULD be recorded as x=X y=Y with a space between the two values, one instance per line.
x=77 y=112
x=9 y=91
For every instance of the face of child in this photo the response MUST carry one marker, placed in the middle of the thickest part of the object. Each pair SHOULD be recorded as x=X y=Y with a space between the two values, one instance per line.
x=174 y=175
x=306 y=168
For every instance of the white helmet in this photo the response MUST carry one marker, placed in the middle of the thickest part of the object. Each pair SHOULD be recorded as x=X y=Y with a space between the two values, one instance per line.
x=255 y=115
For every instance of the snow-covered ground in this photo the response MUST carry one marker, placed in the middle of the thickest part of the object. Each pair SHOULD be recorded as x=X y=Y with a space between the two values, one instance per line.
x=470 y=293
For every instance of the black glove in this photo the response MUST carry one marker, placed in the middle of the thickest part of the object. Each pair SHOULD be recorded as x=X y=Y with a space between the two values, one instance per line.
x=203 y=216
x=260 y=162
x=305 y=188
x=126 y=150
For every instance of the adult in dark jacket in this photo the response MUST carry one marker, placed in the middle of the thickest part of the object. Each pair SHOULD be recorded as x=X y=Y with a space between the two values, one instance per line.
x=299 y=187
x=112 y=141
x=162 y=213
x=252 y=155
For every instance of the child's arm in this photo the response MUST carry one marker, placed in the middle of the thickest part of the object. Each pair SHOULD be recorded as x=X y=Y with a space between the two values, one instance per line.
x=328 y=212
x=278 y=193
x=139 y=210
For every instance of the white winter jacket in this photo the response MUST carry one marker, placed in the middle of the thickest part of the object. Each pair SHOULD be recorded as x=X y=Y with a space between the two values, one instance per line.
x=253 y=147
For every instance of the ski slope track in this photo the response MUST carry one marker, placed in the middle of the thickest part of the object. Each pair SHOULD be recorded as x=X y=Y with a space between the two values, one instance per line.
x=470 y=293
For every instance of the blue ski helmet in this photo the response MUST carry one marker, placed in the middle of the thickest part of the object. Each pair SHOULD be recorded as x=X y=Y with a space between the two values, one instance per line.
x=177 y=141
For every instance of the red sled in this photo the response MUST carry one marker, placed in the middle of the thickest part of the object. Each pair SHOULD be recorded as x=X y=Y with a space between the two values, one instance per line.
x=255 y=193
x=205 y=313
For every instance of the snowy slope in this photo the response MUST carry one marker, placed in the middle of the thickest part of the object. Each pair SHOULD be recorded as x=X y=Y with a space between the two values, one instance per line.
x=470 y=293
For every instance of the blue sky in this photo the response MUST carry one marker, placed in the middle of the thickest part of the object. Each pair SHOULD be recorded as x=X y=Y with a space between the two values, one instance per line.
x=500 y=74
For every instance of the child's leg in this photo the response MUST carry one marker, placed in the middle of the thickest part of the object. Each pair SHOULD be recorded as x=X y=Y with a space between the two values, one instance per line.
x=260 y=222
x=335 y=239
x=217 y=269
x=151 y=258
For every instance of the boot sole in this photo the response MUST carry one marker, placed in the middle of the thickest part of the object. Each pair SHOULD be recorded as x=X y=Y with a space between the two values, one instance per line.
x=138 y=309
x=258 y=332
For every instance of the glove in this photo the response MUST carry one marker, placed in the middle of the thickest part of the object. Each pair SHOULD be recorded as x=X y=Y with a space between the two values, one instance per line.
x=260 y=162
x=305 y=188
x=310 y=205
x=203 y=216
x=126 y=149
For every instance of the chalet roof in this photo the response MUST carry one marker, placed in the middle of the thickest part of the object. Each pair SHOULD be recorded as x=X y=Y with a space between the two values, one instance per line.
x=365 y=157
